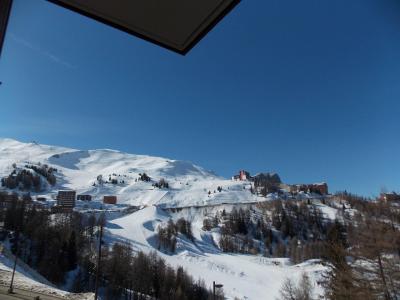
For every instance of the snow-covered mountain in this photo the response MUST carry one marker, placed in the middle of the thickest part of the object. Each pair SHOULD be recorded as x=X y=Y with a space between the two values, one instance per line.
x=78 y=170
x=197 y=193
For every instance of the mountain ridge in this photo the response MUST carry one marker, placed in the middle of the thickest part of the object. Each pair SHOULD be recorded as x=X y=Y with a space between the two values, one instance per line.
x=79 y=170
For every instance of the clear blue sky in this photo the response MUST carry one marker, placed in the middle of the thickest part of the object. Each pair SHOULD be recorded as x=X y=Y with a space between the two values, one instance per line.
x=309 y=89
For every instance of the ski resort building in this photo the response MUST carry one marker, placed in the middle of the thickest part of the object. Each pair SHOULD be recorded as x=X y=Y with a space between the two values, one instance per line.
x=242 y=176
x=110 y=199
x=66 y=199
x=84 y=197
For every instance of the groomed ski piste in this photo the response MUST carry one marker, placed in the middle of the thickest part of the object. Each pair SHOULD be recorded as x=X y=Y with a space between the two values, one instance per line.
x=243 y=276
x=191 y=188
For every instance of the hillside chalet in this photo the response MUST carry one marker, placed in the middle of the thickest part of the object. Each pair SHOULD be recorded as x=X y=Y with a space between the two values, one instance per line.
x=110 y=199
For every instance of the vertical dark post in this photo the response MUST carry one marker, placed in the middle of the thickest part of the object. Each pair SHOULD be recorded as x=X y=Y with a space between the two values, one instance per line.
x=213 y=290
x=19 y=229
x=5 y=8
x=10 y=289
x=98 y=264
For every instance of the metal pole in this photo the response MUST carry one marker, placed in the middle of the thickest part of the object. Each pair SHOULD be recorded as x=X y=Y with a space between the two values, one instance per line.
x=10 y=289
x=5 y=8
x=19 y=229
x=98 y=264
x=213 y=290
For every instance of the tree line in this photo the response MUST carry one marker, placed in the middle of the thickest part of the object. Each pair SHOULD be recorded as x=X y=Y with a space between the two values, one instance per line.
x=26 y=180
x=361 y=247
x=167 y=235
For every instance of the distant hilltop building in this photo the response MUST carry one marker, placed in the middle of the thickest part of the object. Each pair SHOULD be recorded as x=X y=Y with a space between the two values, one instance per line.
x=316 y=188
x=260 y=178
x=242 y=176
x=265 y=183
x=110 y=199
x=66 y=199
x=390 y=197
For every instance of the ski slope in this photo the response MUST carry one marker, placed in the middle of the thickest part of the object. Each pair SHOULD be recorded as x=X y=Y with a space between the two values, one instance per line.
x=243 y=276
x=189 y=185
x=191 y=188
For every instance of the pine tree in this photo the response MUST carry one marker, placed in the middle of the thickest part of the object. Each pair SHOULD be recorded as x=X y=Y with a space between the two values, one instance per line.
x=72 y=252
